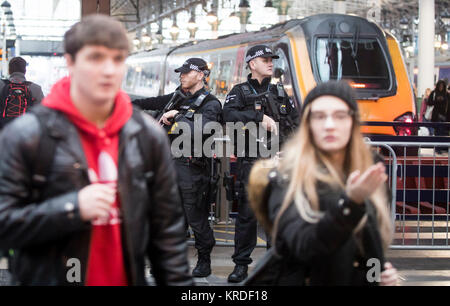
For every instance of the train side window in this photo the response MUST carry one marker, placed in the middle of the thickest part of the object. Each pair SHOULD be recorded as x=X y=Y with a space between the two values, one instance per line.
x=214 y=75
x=172 y=78
x=128 y=84
x=222 y=81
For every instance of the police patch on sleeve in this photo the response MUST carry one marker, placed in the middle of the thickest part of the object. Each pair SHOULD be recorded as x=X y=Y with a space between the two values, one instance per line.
x=229 y=97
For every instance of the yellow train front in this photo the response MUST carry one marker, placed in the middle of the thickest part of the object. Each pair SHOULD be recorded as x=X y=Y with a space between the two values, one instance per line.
x=354 y=49
x=312 y=50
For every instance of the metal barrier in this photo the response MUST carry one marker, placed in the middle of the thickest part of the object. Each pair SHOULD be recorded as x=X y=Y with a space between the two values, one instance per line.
x=420 y=182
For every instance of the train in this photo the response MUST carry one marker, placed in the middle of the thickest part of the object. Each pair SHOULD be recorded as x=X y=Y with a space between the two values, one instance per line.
x=311 y=50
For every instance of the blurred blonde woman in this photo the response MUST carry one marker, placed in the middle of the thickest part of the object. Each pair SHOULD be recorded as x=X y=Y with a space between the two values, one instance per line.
x=326 y=199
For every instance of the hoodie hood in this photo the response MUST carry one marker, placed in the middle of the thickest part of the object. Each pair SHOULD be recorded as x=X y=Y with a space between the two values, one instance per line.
x=59 y=99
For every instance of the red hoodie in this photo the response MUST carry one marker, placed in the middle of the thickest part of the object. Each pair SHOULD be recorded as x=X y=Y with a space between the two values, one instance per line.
x=101 y=147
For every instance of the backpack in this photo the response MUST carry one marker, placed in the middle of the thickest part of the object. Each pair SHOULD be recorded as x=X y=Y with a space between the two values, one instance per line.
x=15 y=100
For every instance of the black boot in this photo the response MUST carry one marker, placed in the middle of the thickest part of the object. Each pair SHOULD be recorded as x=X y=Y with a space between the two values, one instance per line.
x=203 y=267
x=239 y=274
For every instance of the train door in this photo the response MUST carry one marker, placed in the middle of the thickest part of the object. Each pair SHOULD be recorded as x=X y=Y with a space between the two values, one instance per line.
x=214 y=65
x=238 y=76
x=222 y=82
x=282 y=72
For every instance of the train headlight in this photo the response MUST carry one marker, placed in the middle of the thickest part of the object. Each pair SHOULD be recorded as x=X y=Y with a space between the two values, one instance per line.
x=405 y=130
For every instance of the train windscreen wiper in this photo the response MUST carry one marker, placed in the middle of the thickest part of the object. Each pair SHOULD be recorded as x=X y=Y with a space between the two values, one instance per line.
x=355 y=44
x=328 y=56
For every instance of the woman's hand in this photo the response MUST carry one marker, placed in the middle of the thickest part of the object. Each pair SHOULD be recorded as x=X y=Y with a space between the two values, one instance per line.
x=389 y=277
x=360 y=186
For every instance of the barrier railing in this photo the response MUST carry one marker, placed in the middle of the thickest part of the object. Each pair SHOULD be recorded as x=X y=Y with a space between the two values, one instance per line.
x=420 y=207
x=419 y=181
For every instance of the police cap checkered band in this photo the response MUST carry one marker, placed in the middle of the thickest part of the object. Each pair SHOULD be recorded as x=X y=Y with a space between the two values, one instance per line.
x=259 y=51
x=196 y=64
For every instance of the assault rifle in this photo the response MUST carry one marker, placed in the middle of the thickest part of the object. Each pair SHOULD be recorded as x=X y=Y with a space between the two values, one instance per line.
x=176 y=99
x=274 y=106
x=213 y=184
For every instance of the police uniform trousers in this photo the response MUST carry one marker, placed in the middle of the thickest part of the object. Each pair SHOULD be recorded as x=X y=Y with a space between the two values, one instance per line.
x=246 y=225
x=192 y=179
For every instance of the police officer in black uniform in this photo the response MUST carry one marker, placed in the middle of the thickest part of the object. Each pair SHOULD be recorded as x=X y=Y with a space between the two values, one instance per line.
x=191 y=98
x=245 y=104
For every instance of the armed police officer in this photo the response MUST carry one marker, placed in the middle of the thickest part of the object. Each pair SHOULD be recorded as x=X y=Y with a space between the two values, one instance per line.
x=260 y=102
x=191 y=101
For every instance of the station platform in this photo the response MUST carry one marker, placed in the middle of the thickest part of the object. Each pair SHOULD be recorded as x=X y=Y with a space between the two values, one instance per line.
x=415 y=268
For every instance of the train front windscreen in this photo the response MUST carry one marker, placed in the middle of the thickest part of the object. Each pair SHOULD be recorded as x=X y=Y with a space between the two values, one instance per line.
x=361 y=61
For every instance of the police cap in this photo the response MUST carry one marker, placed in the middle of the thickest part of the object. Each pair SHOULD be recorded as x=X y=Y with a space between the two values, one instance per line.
x=194 y=63
x=259 y=51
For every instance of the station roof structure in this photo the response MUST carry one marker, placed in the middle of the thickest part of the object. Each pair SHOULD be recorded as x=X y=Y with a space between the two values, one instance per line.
x=159 y=17
x=133 y=12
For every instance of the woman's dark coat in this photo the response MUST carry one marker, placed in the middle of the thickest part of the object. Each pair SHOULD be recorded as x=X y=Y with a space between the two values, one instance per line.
x=327 y=252
x=441 y=101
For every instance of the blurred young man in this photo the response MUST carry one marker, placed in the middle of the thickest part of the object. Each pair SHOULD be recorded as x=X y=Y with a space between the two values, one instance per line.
x=102 y=205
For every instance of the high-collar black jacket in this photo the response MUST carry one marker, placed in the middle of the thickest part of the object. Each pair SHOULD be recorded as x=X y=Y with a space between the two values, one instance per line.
x=441 y=102
x=210 y=111
x=326 y=252
x=47 y=234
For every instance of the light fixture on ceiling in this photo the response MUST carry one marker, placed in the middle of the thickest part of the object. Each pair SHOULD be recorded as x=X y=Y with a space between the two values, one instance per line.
x=146 y=38
x=233 y=18
x=174 y=30
x=268 y=4
x=191 y=25
x=404 y=23
x=211 y=17
x=445 y=17
x=136 y=41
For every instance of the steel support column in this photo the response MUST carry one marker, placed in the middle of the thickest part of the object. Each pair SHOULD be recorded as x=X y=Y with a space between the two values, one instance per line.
x=425 y=77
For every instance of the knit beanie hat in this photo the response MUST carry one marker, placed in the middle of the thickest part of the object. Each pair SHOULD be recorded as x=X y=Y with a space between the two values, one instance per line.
x=339 y=89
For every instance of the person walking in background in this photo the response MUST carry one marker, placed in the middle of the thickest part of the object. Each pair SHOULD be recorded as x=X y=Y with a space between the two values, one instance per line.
x=17 y=95
x=440 y=99
x=326 y=198
x=424 y=105
x=426 y=110
x=87 y=186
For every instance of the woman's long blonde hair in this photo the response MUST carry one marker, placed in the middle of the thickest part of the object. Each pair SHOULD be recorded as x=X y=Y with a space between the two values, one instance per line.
x=304 y=164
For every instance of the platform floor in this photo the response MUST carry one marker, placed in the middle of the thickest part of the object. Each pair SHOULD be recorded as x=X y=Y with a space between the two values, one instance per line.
x=416 y=268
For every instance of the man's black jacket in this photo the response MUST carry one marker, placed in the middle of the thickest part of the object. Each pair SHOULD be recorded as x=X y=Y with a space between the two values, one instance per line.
x=46 y=234
x=239 y=109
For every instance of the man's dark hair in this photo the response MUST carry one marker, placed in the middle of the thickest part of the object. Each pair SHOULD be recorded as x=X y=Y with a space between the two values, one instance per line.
x=17 y=64
x=96 y=29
